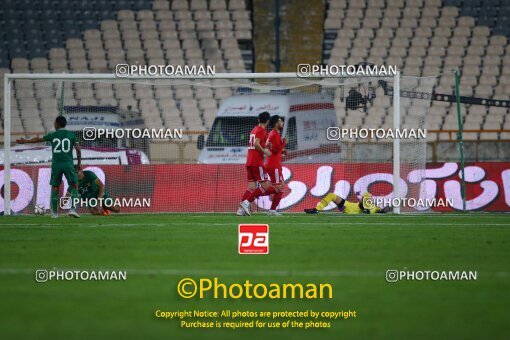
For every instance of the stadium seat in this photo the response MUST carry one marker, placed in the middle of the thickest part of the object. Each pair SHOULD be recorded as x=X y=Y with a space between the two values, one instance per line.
x=422 y=37
x=439 y=40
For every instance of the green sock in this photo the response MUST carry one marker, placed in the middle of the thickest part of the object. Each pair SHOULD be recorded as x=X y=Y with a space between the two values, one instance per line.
x=74 y=194
x=54 y=202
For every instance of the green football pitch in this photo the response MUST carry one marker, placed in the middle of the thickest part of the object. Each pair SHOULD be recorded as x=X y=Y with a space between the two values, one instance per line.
x=352 y=253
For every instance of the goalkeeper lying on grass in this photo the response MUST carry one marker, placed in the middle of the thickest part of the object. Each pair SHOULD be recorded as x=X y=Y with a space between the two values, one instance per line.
x=365 y=206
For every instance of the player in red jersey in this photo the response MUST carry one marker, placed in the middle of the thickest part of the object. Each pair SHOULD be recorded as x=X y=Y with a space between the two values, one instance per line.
x=276 y=144
x=255 y=166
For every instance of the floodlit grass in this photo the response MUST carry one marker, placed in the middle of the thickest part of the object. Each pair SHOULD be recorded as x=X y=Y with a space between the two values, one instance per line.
x=350 y=252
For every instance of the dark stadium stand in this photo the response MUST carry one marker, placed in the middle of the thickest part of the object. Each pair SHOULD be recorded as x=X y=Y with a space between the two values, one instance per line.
x=93 y=36
x=428 y=38
x=36 y=26
x=491 y=13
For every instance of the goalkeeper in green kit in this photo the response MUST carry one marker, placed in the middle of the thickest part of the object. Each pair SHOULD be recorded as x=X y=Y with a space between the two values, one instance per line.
x=62 y=163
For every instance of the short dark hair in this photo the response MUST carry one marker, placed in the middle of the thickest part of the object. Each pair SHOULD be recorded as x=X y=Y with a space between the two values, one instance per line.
x=61 y=121
x=264 y=117
x=274 y=119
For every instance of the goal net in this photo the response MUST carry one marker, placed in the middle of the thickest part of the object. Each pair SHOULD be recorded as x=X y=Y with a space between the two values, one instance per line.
x=181 y=144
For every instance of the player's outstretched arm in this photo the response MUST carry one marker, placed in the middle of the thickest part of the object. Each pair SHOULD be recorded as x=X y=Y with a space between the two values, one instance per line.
x=274 y=144
x=260 y=148
x=101 y=188
x=30 y=141
x=383 y=210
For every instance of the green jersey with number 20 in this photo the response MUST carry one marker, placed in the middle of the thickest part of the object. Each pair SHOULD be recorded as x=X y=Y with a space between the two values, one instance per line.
x=62 y=143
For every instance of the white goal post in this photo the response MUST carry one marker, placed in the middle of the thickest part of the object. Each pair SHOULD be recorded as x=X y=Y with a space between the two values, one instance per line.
x=231 y=78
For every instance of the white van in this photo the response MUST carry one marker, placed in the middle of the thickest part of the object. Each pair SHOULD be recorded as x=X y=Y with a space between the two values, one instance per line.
x=306 y=116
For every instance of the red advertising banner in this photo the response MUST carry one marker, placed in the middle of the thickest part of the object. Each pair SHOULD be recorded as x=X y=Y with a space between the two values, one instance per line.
x=218 y=188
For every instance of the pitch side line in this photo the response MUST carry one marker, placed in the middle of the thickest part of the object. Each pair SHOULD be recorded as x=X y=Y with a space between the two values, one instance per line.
x=328 y=213
x=334 y=213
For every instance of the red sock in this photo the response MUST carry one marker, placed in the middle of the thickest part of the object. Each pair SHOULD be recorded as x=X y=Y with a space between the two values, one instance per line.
x=246 y=194
x=276 y=200
x=260 y=191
